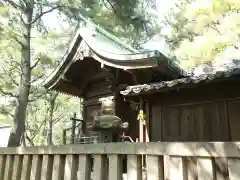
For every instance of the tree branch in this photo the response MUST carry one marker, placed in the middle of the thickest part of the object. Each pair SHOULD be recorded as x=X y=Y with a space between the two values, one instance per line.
x=10 y=73
x=29 y=139
x=113 y=8
x=8 y=93
x=4 y=110
x=55 y=120
x=41 y=95
x=18 y=41
x=37 y=78
x=14 y=81
x=15 y=5
x=24 y=23
x=38 y=129
x=35 y=64
x=213 y=27
x=14 y=67
x=45 y=12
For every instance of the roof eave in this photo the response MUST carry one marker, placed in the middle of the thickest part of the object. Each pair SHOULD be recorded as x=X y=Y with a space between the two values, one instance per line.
x=186 y=82
x=55 y=77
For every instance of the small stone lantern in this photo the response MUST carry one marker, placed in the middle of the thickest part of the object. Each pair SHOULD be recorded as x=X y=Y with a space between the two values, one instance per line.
x=107 y=123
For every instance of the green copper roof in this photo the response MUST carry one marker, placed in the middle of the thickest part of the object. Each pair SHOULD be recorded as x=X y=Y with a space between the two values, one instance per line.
x=109 y=46
x=93 y=32
x=111 y=51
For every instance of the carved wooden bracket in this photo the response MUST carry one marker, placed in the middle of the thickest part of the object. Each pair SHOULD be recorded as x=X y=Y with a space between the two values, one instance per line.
x=82 y=52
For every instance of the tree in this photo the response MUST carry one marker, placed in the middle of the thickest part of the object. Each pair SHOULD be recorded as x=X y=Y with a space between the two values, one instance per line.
x=39 y=101
x=23 y=64
x=52 y=103
x=204 y=30
x=47 y=117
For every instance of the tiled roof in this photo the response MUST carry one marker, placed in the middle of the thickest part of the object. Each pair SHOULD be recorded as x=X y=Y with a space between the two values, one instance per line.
x=223 y=74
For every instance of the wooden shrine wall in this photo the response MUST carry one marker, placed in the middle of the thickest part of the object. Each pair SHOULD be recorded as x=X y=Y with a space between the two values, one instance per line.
x=206 y=113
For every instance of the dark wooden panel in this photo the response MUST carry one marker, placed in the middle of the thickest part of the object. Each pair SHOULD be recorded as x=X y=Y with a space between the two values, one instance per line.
x=201 y=126
x=155 y=124
x=223 y=120
x=234 y=119
x=171 y=124
x=196 y=122
x=188 y=121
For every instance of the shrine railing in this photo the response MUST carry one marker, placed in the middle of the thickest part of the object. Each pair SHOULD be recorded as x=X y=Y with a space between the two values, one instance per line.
x=162 y=161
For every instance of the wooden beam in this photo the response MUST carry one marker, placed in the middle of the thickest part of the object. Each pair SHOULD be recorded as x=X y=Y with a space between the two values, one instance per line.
x=193 y=149
x=96 y=77
x=134 y=76
x=141 y=76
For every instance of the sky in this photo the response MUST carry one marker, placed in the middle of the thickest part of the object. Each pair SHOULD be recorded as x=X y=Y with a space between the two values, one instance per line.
x=162 y=7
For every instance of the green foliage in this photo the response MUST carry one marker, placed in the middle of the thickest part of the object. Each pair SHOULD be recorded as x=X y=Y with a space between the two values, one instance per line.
x=126 y=19
x=47 y=48
x=38 y=118
x=203 y=30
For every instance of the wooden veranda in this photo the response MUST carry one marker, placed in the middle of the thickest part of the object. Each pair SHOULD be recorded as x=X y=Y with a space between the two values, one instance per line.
x=164 y=161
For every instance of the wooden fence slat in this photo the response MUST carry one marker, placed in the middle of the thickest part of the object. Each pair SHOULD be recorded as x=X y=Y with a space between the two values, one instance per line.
x=154 y=167
x=17 y=167
x=9 y=167
x=84 y=167
x=205 y=168
x=234 y=169
x=26 y=169
x=134 y=167
x=115 y=167
x=100 y=167
x=36 y=167
x=166 y=166
x=221 y=168
x=71 y=163
x=190 y=168
x=58 y=167
x=47 y=167
x=2 y=166
x=176 y=168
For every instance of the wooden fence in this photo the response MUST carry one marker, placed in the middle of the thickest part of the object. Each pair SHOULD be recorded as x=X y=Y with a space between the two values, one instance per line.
x=164 y=161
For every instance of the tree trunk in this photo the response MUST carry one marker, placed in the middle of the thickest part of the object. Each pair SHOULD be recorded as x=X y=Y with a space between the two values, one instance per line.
x=25 y=81
x=23 y=140
x=53 y=97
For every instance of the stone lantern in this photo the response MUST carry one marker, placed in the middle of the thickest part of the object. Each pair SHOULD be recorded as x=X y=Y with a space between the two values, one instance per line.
x=107 y=123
